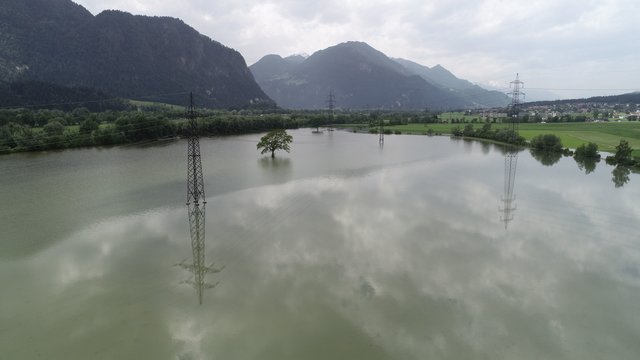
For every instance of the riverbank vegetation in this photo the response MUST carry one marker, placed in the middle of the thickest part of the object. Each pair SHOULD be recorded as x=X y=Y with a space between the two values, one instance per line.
x=623 y=155
x=34 y=129
x=504 y=135
x=546 y=142
x=605 y=135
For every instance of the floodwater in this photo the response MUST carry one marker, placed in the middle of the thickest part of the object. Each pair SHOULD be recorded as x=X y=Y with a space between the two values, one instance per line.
x=426 y=248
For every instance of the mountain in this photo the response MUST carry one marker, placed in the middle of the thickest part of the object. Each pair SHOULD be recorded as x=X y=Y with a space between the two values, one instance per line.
x=138 y=57
x=358 y=75
x=443 y=78
x=272 y=66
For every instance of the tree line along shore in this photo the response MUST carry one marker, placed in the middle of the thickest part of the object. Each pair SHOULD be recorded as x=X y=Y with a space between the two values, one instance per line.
x=24 y=130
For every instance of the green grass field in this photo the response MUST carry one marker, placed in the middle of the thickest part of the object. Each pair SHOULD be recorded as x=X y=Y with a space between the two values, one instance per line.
x=606 y=135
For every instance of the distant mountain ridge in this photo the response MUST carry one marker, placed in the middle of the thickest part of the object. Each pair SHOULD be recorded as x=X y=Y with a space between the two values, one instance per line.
x=362 y=77
x=437 y=74
x=60 y=42
x=442 y=77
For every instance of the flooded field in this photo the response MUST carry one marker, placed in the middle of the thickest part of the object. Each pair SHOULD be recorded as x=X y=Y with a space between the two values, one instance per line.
x=427 y=247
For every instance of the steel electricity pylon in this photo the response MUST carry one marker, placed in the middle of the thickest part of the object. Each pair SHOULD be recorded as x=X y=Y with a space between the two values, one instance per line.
x=517 y=97
x=196 y=207
x=331 y=102
x=195 y=182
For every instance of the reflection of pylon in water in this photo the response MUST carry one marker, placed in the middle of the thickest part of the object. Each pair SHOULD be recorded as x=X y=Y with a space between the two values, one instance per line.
x=381 y=129
x=508 y=205
x=198 y=267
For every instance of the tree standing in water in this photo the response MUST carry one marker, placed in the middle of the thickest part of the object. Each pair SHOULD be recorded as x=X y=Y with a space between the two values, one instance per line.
x=275 y=140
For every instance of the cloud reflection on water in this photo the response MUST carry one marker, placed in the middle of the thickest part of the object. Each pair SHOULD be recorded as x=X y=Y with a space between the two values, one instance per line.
x=395 y=262
x=418 y=245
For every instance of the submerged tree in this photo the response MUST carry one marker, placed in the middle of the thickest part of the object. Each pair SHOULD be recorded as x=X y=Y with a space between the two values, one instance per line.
x=547 y=142
x=589 y=150
x=586 y=156
x=316 y=122
x=623 y=153
x=275 y=140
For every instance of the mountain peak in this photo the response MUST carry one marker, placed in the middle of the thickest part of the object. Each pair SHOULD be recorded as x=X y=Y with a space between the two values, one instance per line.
x=354 y=52
x=357 y=74
x=296 y=58
x=271 y=57
x=358 y=46
x=442 y=69
x=355 y=44
x=360 y=76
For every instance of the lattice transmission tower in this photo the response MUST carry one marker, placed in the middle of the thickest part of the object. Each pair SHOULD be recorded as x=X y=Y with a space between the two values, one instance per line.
x=331 y=102
x=517 y=98
x=195 y=182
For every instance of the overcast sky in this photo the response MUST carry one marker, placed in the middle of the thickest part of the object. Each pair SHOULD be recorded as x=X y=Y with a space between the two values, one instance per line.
x=589 y=46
